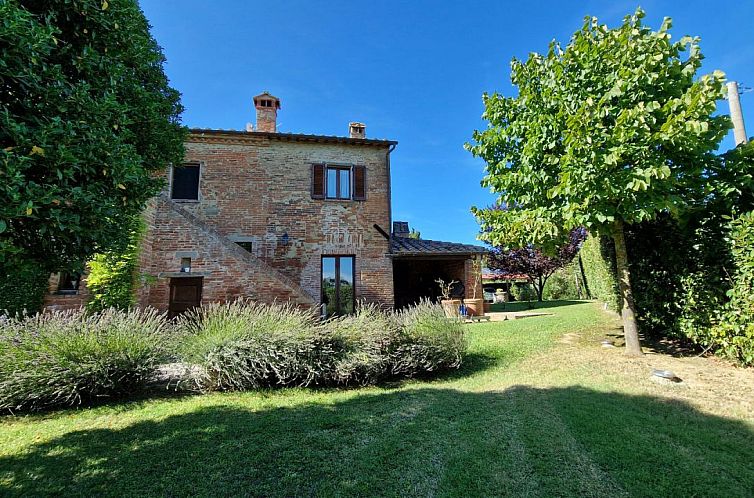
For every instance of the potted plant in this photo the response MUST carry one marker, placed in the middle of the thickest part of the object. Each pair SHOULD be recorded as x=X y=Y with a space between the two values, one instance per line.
x=475 y=306
x=450 y=306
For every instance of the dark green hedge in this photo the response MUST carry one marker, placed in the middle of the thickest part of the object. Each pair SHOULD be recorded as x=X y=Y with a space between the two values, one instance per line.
x=679 y=274
x=597 y=258
x=733 y=335
x=22 y=288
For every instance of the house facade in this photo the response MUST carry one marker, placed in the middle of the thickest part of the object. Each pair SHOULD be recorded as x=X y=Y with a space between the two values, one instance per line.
x=283 y=217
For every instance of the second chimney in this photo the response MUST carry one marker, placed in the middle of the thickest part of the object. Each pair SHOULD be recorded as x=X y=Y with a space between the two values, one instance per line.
x=400 y=229
x=267 y=112
x=357 y=130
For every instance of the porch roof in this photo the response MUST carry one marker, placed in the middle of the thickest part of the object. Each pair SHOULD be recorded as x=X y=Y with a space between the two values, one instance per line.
x=406 y=246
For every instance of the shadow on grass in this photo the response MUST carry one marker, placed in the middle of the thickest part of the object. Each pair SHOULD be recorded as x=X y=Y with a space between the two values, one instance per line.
x=531 y=305
x=564 y=441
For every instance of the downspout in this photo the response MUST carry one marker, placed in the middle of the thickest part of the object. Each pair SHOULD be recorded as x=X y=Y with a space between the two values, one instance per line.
x=389 y=189
x=390 y=218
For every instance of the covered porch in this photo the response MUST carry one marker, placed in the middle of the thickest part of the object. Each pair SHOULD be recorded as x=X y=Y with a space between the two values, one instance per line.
x=418 y=263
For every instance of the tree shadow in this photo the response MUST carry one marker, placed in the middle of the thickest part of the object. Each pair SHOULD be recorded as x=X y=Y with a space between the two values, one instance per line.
x=543 y=442
x=672 y=347
x=676 y=348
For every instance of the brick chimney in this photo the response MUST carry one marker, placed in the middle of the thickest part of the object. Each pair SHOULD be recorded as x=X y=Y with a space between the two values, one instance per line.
x=357 y=130
x=400 y=229
x=267 y=112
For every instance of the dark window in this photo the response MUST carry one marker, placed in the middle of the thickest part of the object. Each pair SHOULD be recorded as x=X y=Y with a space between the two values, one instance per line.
x=68 y=283
x=246 y=246
x=185 y=183
x=338 y=296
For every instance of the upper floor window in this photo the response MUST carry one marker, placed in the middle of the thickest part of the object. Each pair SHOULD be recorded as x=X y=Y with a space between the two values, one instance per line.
x=185 y=186
x=331 y=181
x=338 y=182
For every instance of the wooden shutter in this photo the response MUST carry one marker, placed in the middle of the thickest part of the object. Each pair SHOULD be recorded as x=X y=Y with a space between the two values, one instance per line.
x=318 y=181
x=359 y=183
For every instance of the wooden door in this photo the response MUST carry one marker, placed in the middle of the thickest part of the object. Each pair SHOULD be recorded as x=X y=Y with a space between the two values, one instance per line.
x=185 y=293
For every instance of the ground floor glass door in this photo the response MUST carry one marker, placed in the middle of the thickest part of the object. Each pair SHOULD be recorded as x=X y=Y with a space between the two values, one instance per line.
x=338 y=297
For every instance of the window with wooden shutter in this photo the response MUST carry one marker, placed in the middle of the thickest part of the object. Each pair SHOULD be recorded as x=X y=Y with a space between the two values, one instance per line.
x=359 y=183
x=318 y=181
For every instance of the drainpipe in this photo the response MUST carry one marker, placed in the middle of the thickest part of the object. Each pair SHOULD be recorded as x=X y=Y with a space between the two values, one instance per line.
x=390 y=217
x=389 y=188
x=739 y=129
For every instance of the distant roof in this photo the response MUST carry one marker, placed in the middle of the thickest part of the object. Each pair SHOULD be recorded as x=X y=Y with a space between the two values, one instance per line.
x=406 y=246
x=488 y=274
x=290 y=137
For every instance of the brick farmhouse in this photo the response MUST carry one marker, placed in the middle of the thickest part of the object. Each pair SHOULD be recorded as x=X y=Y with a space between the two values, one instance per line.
x=283 y=217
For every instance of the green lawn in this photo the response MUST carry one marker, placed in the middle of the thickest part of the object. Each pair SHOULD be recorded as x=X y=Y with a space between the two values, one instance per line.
x=530 y=413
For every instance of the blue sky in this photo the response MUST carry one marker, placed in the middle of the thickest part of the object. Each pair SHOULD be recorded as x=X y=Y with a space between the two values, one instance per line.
x=413 y=71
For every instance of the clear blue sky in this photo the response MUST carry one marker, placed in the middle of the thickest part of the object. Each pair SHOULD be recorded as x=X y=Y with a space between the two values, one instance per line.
x=413 y=71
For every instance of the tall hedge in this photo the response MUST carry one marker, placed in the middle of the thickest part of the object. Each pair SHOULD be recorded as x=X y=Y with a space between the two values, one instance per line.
x=597 y=257
x=22 y=288
x=733 y=336
x=680 y=271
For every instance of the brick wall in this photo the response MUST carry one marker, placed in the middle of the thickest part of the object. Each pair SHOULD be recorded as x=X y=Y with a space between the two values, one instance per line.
x=58 y=302
x=256 y=189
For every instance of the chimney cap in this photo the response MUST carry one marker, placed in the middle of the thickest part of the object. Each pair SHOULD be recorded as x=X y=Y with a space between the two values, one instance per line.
x=357 y=130
x=266 y=96
x=400 y=229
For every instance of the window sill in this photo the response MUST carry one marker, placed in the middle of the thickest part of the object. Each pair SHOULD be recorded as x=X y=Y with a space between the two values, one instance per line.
x=186 y=201
x=66 y=293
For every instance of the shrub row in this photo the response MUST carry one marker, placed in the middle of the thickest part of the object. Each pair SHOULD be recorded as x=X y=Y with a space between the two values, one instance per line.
x=242 y=345
x=66 y=358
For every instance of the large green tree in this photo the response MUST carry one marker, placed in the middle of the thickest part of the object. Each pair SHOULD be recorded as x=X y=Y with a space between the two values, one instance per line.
x=87 y=118
x=610 y=130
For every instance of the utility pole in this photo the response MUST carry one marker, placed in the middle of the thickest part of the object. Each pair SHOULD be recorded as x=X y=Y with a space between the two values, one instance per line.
x=739 y=129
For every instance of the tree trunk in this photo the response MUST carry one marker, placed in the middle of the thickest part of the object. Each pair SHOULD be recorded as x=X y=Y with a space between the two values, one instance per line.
x=540 y=289
x=628 y=313
x=587 y=292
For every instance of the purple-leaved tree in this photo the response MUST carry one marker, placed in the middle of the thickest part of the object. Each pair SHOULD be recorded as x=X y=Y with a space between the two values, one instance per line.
x=534 y=263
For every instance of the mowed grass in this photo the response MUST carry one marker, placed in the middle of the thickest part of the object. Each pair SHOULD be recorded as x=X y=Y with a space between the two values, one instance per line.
x=539 y=409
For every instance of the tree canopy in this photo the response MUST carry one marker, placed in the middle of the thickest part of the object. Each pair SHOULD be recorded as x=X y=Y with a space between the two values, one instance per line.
x=613 y=126
x=611 y=129
x=87 y=118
